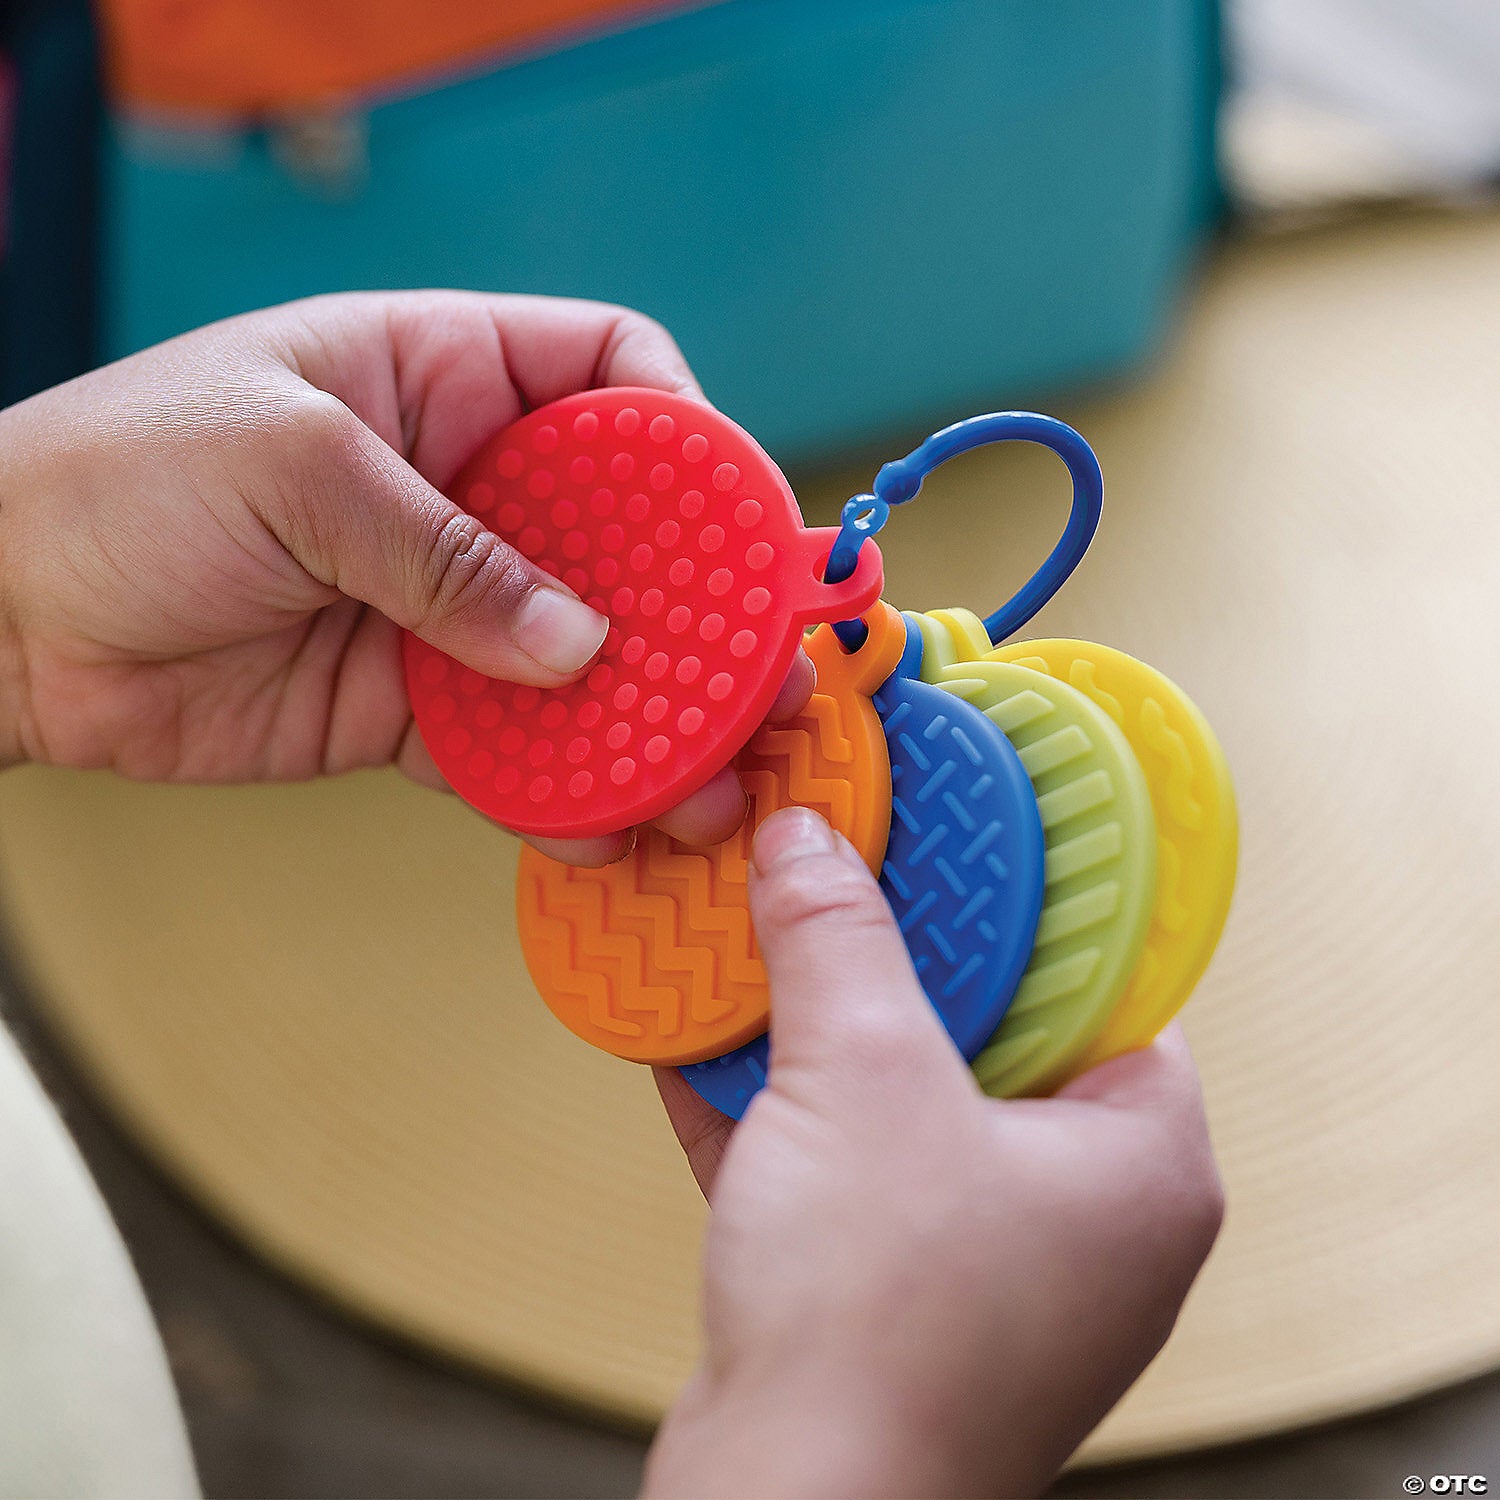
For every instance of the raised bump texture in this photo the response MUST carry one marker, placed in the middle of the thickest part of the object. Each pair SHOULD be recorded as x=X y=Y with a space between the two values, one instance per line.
x=536 y=484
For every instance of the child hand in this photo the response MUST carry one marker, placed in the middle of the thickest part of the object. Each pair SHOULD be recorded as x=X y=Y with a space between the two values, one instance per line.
x=206 y=549
x=911 y=1289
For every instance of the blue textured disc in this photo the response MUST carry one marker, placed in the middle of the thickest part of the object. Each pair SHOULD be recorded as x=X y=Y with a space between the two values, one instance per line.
x=962 y=872
x=730 y=1082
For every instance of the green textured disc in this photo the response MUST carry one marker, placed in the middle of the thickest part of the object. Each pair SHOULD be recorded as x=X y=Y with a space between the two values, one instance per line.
x=1100 y=835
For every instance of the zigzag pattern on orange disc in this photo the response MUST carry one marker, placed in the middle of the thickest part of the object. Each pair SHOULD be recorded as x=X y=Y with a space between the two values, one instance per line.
x=654 y=958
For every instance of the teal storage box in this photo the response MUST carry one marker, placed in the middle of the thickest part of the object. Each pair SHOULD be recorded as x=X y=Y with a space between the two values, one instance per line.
x=859 y=219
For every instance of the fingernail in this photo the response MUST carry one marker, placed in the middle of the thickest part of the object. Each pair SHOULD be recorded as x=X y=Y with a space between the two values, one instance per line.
x=559 y=632
x=794 y=833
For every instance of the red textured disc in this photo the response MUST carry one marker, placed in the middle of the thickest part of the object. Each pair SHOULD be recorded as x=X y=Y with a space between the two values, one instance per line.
x=671 y=520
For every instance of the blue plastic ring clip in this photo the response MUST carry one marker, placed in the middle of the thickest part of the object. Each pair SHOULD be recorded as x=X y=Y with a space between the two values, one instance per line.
x=900 y=480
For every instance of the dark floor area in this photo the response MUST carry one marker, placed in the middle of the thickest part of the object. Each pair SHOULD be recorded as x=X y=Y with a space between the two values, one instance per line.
x=287 y=1398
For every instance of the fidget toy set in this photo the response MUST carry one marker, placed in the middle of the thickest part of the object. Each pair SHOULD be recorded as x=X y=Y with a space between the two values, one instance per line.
x=1051 y=821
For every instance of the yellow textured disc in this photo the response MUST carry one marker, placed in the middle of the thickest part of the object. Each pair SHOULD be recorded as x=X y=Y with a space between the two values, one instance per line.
x=1197 y=829
x=1100 y=837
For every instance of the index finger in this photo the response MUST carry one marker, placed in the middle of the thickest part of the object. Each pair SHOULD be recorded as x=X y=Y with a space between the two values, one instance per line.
x=1161 y=1079
x=701 y=1130
x=555 y=346
x=712 y=813
x=436 y=373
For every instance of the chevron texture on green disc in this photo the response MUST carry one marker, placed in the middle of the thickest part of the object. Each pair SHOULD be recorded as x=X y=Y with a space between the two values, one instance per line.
x=1100 y=872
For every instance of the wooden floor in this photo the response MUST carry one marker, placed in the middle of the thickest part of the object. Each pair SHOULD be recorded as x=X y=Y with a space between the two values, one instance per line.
x=286 y=1398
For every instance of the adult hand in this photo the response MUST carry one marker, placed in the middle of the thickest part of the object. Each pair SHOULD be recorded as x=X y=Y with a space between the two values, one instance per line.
x=912 y=1289
x=206 y=550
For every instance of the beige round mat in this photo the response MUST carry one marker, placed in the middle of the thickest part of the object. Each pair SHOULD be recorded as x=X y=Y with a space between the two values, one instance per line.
x=308 y=1001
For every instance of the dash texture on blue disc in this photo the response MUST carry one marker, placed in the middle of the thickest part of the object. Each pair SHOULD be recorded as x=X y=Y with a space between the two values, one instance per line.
x=963 y=870
x=730 y=1082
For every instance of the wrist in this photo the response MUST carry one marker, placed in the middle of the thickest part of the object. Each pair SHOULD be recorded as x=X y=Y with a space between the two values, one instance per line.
x=719 y=1441
x=12 y=657
x=821 y=1434
x=12 y=680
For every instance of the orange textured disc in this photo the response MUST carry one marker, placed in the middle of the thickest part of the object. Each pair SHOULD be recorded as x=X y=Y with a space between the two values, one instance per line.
x=654 y=958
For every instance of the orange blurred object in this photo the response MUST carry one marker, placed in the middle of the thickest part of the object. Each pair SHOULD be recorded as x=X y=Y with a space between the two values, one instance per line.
x=256 y=57
x=654 y=958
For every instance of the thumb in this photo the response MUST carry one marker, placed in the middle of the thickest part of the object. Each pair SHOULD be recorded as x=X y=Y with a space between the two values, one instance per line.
x=361 y=519
x=848 y=1016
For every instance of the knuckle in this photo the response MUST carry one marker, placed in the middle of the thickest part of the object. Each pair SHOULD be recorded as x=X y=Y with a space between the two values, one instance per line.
x=307 y=433
x=322 y=442
x=635 y=324
x=642 y=333
x=1187 y=1198
x=622 y=318
x=1203 y=1211
x=467 y=570
x=293 y=453
x=322 y=423
x=823 y=890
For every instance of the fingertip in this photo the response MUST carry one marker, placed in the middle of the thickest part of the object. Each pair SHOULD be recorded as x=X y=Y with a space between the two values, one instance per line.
x=711 y=814
x=642 y=352
x=586 y=854
x=1161 y=1076
x=1172 y=1043
x=414 y=760
x=687 y=385
x=702 y=1131
x=558 y=632
x=796 y=689
x=789 y=834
